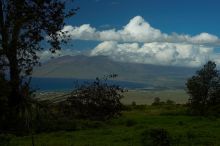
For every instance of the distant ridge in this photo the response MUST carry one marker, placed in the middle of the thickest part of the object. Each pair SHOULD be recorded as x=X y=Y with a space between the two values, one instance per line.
x=85 y=67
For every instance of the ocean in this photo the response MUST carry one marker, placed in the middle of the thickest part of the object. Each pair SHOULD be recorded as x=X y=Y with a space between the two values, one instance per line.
x=68 y=84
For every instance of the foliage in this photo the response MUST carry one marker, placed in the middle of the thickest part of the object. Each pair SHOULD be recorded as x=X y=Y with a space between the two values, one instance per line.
x=170 y=102
x=156 y=137
x=21 y=39
x=156 y=101
x=98 y=100
x=133 y=103
x=25 y=27
x=204 y=90
x=5 y=139
x=130 y=122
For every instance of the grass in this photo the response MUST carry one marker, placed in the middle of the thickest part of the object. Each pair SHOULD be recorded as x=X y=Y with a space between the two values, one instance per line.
x=127 y=130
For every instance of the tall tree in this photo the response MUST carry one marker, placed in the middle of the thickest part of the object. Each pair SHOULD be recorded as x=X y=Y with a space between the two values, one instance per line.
x=24 y=25
x=204 y=89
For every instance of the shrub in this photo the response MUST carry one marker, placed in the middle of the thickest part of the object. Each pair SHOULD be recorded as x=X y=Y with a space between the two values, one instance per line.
x=133 y=103
x=98 y=100
x=155 y=137
x=156 y=101
x=170 y=102
x=130 y=122
x=5 y=139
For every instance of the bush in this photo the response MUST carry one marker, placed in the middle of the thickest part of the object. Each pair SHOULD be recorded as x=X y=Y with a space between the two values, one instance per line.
x=133 y=103
x=156 y=101
x=170 y=102
x=155 y=137
x=5 y=139
x=97 y=100
x=130 y=122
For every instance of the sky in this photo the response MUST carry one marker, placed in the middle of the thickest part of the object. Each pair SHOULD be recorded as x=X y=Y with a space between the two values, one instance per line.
x=161 y=32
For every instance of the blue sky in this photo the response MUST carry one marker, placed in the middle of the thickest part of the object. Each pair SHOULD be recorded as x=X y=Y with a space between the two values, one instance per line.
x=181 y=16
x=165 y=32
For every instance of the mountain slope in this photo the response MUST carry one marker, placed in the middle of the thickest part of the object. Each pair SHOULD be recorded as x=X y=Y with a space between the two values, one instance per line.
x=85 y=67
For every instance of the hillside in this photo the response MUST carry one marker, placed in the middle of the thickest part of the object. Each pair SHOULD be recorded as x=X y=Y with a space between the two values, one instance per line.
x=84 y=67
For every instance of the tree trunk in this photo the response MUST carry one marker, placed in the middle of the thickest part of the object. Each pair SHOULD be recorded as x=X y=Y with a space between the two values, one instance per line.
x=15 y=96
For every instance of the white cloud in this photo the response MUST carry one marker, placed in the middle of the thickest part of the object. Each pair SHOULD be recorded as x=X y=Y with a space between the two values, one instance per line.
x=205 y=37
x=177 y=54
x=109 y=35
x=137 y=30
x=139 y=42
x=84 y=32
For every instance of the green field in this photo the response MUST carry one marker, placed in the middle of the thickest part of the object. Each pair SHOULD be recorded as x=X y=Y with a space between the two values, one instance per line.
x=127 y=130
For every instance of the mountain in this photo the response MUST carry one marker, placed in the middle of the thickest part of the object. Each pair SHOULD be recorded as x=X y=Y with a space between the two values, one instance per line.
x=85 y=67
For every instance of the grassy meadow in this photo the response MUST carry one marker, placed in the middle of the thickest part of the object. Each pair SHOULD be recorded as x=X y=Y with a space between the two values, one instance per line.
x=128 y=129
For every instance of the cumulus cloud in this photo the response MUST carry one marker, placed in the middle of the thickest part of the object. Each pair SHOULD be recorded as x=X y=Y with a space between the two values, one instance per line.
x=177 y=54
x=139 y=42
x=205 y=37
x=84 y=32
x=137 y=30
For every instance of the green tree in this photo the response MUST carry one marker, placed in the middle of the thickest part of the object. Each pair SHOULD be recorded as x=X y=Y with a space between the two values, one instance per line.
x=24 y=25
x=156 y=101
x=204 y=89
x=26 y=28
x=98 y=100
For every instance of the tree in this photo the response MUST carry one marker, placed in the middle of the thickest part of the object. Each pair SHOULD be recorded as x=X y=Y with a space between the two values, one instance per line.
x=204 y=89
x=97 y=100
x=156 y=101
x=5 y=90
x=24 y=26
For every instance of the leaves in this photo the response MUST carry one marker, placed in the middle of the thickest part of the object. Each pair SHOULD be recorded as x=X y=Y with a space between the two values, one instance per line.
x=204 y=89
x=97 y=100
x=22 y=38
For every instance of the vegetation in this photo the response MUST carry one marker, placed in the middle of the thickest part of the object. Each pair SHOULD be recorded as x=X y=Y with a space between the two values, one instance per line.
x=98 y=100
x=20 y=41
x=204 y=90
x=179 y=128
x=158 y=102
x=87 y=116
x=156 y=137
